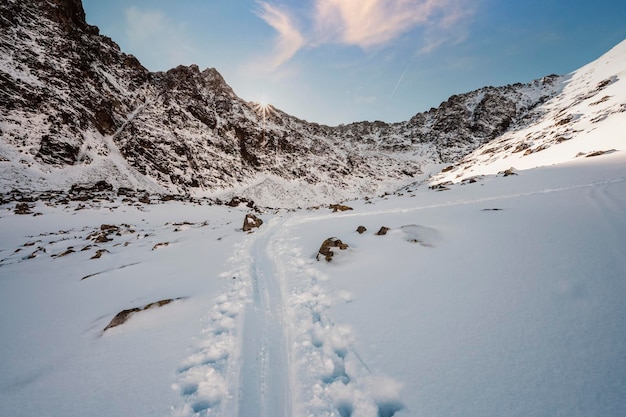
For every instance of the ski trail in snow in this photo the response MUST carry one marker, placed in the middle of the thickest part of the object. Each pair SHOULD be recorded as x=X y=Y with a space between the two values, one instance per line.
x=265 y=373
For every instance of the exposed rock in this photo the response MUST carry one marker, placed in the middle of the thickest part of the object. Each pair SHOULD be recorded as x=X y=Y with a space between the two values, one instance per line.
x=237 y=201
x=598 y=153
x=22 y=208
x=326 y=250
x=443 y=186
x=382 y=231
x=67 y=252
x=99 y=253
x=99 y=186
x=123 y=316
x=361 y=229
x=508 y=172
x=251 y=221
x=339 y=207
x=160 y=245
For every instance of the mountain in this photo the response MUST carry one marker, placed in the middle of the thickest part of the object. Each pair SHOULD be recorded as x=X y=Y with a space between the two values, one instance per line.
x=76 y=109
x=586 y=118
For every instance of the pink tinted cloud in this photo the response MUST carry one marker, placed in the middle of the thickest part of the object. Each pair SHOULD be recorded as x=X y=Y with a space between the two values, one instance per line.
x=371 y=23
x=289 y=39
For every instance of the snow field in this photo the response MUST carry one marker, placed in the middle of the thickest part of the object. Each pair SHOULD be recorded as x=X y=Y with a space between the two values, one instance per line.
x=501 y=297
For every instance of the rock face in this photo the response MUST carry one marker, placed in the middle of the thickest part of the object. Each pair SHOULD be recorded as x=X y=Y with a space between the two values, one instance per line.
x=72 y=98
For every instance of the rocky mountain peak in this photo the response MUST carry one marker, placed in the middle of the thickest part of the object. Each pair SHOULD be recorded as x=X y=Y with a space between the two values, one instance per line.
x=69 y=13
x=73 y=99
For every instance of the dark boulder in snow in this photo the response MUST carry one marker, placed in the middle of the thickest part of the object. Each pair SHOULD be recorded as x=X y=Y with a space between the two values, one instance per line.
x=326 y=250
x=250 y=222
x=382 y=231
x=361 y=229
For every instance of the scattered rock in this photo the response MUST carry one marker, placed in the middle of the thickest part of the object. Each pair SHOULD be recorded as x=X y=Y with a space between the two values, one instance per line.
x=598 y=153
x=327 y=246
x=236 y=201
x=101 y=238
x=339 y=207
x=99 y=186
x=109 y=228
x=123 y=316
x=521 y=147
x=361 y=229
x=443 y=186
x=508 y=172
x=382 y=231
x=99 y=253
x=160 y=245
x=447 y=169
x=251 y=221
x=22 y=208
x=67 y=252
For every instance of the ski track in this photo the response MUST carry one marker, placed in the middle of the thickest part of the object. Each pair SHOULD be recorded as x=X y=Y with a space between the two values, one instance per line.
x=243 y=363
x=265 y=388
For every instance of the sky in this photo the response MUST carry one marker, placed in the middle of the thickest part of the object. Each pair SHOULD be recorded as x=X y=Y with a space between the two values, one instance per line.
x=342 y=61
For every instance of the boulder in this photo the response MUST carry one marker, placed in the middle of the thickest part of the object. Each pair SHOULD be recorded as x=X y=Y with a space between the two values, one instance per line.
x=382 y=231
x=250 y=222
x=327 y=246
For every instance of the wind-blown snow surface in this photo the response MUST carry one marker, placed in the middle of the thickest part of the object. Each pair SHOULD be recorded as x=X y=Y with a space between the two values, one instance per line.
x=500 y=297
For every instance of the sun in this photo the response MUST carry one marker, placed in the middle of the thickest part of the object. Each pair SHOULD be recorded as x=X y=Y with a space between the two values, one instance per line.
x=263 y=108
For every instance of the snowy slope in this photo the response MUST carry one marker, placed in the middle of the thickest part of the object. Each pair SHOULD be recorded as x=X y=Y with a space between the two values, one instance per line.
x=501 y=297
x=489 y=295
x=586 y=117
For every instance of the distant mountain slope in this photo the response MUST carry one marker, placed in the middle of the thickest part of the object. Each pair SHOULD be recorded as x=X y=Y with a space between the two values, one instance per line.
x=586 y=118
x=74 y=109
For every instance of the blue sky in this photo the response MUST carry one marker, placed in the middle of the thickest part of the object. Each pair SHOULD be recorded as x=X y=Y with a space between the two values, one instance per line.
x=340 y=61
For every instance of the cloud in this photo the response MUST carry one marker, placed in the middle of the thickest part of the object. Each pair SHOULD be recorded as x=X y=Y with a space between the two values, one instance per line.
x=365 y=23
x=289 y=39
x=372 y=23
x=152 y=37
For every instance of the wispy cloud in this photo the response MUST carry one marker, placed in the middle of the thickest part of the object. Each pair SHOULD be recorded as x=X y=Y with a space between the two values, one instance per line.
x=289 y=39
x=153 y=37
x=365 y=23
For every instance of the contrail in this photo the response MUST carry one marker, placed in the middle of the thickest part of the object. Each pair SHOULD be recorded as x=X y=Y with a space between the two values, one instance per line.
x=400 y=80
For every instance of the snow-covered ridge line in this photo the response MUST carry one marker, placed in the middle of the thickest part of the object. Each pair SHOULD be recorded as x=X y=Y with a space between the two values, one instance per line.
x=195 y=136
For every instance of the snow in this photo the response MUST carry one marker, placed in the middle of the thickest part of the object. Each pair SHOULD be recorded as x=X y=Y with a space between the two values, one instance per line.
x=501 y=297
